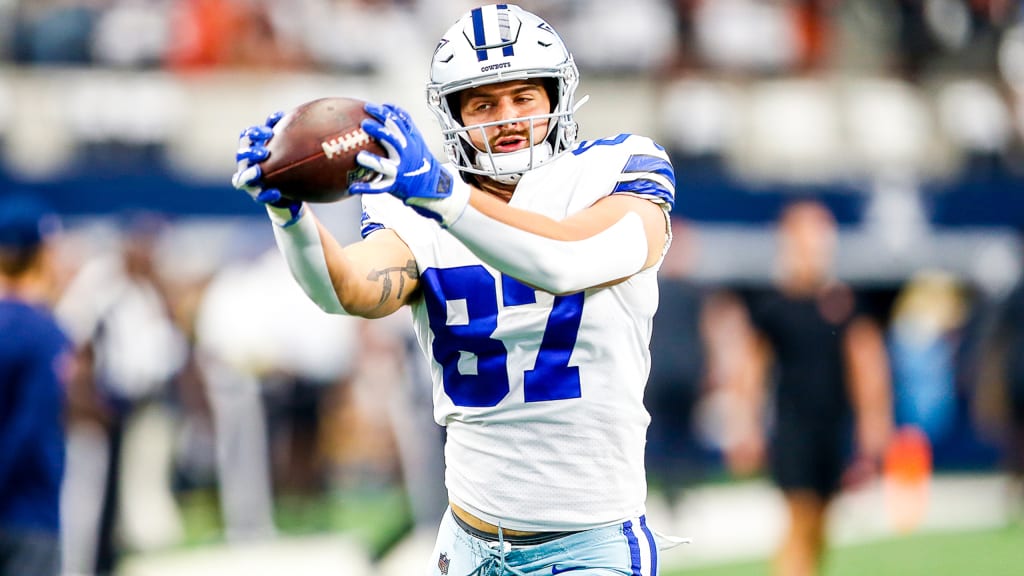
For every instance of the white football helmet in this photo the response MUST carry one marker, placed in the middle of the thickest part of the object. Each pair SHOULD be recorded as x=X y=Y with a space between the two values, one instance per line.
x=498 y=43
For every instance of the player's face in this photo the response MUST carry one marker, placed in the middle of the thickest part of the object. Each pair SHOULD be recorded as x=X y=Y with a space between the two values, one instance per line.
x=501 y=102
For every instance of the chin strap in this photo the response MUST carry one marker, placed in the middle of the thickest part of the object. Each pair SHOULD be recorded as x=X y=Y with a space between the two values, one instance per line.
x=508 y=168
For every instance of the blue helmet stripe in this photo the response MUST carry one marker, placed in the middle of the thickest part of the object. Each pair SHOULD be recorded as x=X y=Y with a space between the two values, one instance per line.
x=506 y=30
x=649 y=163
x=479 y=38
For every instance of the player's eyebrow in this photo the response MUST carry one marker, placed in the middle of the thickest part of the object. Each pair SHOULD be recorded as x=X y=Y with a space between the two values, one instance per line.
x=489 y=91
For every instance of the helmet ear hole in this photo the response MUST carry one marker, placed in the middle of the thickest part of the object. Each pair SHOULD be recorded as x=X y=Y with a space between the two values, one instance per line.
x=551 y=87
x=455 y=106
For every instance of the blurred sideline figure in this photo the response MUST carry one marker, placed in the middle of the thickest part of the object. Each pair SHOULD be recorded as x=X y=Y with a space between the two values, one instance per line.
x=530 y=266
x=922 y=338
x=35 y=369
x=271 y=375
x=677 y=378
x=120 y=447
x=828 y=358
x=418 y=439
x=999 y=402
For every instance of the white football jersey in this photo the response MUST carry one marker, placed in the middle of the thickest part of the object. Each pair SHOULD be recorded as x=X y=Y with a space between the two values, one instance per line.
x=542 y=395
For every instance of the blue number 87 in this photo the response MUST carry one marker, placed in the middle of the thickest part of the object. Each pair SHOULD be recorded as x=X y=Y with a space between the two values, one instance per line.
x=457 y=345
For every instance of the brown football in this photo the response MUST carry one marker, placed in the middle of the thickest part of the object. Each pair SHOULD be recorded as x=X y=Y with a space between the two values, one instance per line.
x=313 y=151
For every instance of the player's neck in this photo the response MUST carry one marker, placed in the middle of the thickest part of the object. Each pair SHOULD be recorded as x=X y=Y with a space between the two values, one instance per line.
x=500 y=191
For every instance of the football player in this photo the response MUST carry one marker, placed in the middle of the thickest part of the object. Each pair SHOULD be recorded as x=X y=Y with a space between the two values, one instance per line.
x=529 y=263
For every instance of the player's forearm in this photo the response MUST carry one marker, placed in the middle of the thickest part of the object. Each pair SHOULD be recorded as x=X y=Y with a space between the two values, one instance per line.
x=551 y=255
x=299 y=241
x=372 y=278
x=342 y=280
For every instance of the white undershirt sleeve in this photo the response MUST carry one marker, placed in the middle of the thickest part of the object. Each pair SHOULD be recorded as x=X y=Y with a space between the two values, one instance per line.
x=556 y=266
x=300 y=244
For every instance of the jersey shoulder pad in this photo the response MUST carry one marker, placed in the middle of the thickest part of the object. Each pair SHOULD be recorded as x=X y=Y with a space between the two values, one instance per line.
x=642 y=166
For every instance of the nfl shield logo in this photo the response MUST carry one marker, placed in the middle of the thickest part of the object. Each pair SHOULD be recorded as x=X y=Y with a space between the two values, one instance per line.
x=442 y=563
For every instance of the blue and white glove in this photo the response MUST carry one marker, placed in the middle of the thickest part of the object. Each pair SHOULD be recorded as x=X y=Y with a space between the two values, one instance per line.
x=410 y=172
x=252 y=149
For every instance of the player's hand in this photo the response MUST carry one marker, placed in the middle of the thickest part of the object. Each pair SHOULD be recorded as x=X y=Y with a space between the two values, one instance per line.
x=410 y=171
x=252 y=149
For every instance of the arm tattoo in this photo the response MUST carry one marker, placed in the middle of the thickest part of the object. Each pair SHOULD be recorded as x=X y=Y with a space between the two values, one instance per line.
x=388 y=284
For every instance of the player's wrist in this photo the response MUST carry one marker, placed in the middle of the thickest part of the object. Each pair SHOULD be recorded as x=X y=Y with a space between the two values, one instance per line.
x=287 y=214
x=449 y=200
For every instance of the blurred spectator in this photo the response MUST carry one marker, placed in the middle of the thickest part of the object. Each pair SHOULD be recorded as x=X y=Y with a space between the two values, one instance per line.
x=676 y=381
x=35 y=360
x=747 y=35
x=1000 y=399
x=418 y=439
x=350 y=35
x=118 y=315
x=975 y=116
x=923 y=339
x=8 y=19
x=133 y=33
x=273 y=374
x=55 y=32
x=951 y=35
x=230 y=354
x=606 y=34
x=829 y=358
x=227 y=33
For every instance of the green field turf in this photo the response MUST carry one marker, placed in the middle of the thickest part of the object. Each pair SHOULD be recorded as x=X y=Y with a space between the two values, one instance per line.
x=997 y=552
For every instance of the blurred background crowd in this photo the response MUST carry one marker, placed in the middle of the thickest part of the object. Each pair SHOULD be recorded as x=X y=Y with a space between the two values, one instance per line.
x=219 y=403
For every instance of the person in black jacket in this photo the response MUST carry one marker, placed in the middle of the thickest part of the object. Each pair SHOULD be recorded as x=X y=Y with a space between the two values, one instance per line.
x=831 y=380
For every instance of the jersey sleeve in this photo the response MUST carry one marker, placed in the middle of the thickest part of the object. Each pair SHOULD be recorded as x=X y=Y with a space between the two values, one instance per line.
x=637 y=165
x=384 y=211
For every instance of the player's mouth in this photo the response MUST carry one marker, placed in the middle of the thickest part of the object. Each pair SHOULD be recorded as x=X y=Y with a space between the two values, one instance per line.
x=510 y=143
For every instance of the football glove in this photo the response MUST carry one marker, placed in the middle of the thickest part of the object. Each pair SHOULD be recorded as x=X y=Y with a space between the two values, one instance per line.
x=252 y=149
x=410 y=172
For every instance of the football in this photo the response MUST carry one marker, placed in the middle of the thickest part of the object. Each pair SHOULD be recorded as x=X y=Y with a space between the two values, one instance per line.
x=313 y=152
